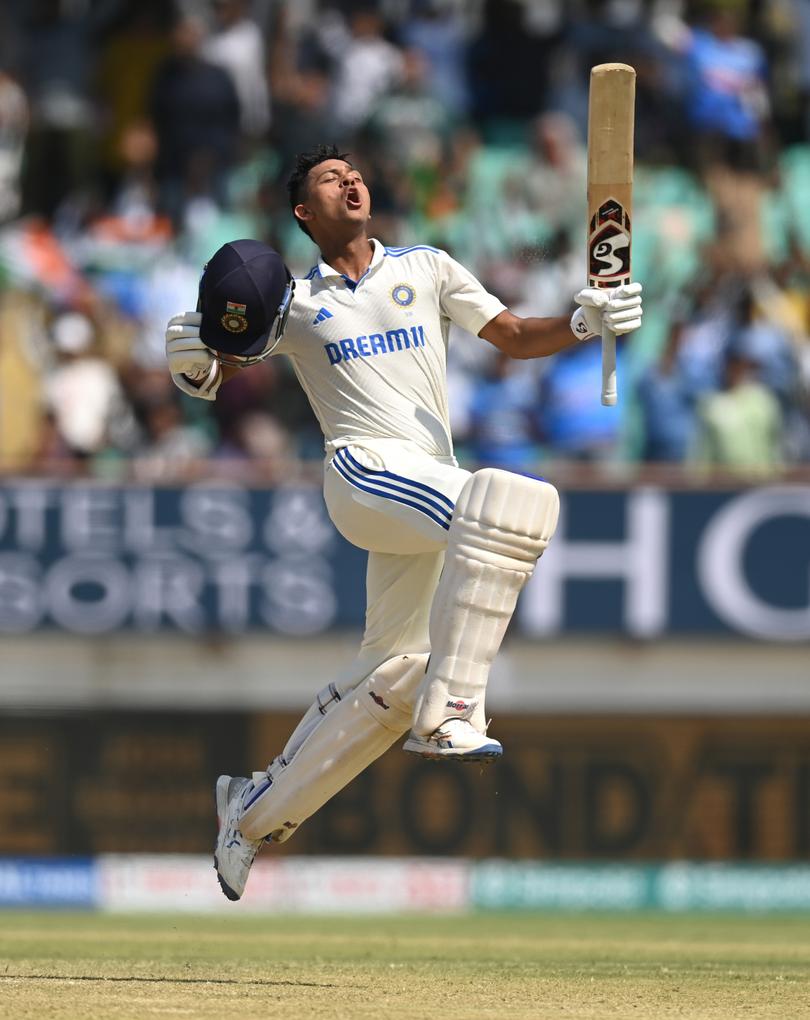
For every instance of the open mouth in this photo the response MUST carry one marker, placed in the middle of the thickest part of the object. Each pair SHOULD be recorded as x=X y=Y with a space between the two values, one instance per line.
x=353 y=200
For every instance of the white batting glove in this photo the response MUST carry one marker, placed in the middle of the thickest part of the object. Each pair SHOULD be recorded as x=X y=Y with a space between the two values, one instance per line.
x=617 y=309
x=193 y=367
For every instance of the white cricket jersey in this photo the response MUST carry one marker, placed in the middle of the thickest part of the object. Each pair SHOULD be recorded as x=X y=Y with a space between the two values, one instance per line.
x=372 y=355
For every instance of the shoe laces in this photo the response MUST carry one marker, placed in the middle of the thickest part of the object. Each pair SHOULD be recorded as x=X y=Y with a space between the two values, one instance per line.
x=239 y=844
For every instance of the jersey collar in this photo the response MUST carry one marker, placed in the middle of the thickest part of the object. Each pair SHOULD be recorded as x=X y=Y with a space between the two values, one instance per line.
x=326 y=272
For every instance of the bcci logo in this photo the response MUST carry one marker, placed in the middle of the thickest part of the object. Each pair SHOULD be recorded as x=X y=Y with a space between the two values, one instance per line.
x=403 y=295
x=234 y=318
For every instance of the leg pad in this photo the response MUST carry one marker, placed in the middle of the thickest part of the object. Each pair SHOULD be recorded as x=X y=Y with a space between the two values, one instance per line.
x=353 y=733
x=501 y=525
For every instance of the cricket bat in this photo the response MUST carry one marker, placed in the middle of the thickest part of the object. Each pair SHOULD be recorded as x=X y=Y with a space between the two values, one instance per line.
x=611 y=112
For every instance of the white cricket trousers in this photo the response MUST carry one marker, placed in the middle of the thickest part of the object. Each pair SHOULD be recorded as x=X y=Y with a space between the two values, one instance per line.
x=396 y=501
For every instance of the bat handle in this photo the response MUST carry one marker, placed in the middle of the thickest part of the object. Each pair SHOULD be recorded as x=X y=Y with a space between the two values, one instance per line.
x=609 y=393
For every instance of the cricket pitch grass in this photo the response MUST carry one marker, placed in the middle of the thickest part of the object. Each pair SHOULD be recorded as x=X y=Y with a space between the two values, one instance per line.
x=516 y=967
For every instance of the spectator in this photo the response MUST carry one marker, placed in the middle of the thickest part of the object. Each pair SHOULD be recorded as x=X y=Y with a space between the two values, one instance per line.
x=556 y=176
x=237 y=45
x=170 y=448
x=770 y=343
x=196 y=115
x=51 y=456
x=572 y=420
x=132 y=217
x=83 y=394
x=439 y=34
x=368 y=66
x=727 y=100
x=259 y=447
x=409 y=120
x=784 y=300
x=705 y=336
x=740 y=427
x=505 y=194
x=512 y=59
x=303 y=105
x=667 y=407
x=502 y=417
x=13 y=131
x=552 y=272
x=727 y=111
x=801 y=35
x=127 y=64
x=56 y=64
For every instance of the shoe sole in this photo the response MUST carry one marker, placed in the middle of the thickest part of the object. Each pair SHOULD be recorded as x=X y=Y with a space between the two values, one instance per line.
x=483 y=755
x=221 y=799
x=232 y=896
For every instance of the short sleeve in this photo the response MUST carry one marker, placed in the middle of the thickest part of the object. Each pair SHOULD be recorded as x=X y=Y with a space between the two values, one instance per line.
x=291 y=337
x=463 y=299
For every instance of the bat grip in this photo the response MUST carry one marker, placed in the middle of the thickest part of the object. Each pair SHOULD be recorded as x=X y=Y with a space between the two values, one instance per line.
x=609 y=393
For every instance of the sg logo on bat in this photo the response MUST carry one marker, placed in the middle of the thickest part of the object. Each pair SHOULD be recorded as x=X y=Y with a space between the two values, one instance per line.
x=609 y=246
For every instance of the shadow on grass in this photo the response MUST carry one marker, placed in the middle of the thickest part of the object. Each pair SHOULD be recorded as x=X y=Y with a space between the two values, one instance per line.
x=168 y=980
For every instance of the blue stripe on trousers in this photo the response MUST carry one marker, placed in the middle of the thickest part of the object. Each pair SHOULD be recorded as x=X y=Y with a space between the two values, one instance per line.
x=399 y=478
x=386 y=493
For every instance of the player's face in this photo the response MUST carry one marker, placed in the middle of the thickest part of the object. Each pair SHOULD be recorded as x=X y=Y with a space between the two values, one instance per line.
x=336 y=195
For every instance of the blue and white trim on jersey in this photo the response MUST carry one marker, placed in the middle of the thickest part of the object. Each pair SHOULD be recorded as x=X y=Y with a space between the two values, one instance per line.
x=416 y=495
x=397 y=252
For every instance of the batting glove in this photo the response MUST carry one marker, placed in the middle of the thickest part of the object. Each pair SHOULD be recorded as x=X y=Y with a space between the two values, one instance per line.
x=193 y=367
x=617 y=309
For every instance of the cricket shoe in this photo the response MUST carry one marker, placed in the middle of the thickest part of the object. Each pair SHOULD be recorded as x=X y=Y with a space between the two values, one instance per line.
x=234 y=853
x=454 y=740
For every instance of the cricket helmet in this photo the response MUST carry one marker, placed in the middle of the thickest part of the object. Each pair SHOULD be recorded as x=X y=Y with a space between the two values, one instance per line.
x=245 y=297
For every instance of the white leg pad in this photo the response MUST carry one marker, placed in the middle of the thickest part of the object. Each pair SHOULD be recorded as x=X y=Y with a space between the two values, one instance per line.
x=351 y=733
x=352 y=676
x=501 y=526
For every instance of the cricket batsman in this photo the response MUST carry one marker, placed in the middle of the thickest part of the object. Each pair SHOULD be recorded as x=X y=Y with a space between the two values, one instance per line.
x=448 y=550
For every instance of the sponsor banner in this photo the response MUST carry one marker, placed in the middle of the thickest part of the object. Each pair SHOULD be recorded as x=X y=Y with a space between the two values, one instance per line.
x=364 y=885
x=92 y=559
x=746 y=887
x=292 y=885
x=648 y=562
x=30 y=882
x=628 y=788
x=533 y=885
x=127 y=782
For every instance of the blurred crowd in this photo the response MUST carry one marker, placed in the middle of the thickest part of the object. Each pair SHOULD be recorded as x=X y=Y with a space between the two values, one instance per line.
x=137 y=136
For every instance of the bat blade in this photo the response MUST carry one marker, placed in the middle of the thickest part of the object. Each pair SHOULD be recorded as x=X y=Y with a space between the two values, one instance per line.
x=611 y=115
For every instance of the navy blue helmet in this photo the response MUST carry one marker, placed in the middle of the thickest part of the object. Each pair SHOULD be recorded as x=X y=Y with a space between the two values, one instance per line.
x=245 y=297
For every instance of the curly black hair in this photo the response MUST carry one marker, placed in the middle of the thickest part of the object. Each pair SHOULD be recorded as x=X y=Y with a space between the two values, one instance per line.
x=304 y=162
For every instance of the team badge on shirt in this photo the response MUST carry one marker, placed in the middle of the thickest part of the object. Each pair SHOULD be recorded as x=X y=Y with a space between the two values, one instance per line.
x=403 y=295
x=234 y=318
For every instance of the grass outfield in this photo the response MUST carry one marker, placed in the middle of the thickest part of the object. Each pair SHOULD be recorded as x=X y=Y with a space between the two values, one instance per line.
x=517 y=967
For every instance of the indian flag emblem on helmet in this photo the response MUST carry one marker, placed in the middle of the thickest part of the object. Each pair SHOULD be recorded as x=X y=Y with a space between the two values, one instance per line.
x=403 y=294
x=234 y=318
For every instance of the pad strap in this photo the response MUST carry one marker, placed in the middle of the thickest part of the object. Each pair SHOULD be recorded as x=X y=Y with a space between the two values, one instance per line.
x=355 y=729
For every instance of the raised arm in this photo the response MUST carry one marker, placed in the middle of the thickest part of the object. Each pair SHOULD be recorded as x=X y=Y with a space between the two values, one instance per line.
x=618 y=309
x=529 y=337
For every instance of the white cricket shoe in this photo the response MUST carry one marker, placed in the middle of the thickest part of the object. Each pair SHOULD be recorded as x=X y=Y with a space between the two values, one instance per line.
x=234 y=853
x=454 y=740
